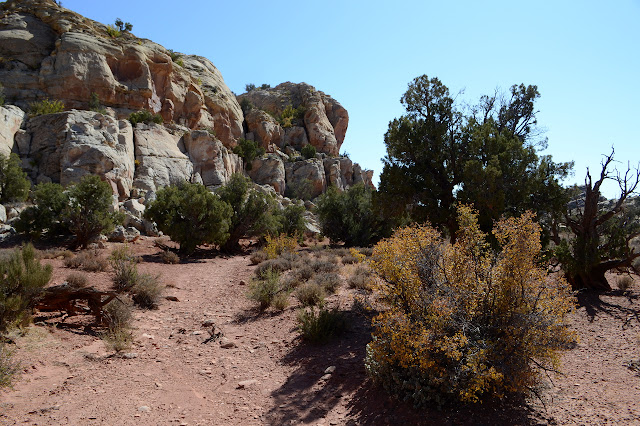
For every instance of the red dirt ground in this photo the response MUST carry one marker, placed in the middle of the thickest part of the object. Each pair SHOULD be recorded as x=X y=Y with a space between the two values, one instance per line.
x=171 y=376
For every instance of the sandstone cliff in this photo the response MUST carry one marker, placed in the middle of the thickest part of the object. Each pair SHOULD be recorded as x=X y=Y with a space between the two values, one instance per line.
x=49 y=52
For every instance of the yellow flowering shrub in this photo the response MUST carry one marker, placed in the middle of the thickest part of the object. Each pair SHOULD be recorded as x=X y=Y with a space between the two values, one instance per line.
x=357 y=255
x=277 y=245
x=464 y=323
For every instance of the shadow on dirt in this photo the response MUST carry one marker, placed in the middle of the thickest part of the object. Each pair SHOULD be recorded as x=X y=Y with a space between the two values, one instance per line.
x=611 y=303
x=311 y=391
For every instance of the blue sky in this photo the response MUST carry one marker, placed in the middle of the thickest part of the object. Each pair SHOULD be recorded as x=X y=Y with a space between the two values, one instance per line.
x=582 y=55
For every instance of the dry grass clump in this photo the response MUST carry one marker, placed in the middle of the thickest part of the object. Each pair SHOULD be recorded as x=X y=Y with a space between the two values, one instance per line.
x=125 y=268
x=279 y=265
x=55 y=253
x=349 y=259
x=310 y=294
x=77 y=280
x=319 y=325
x=362 y=278
x=89 y=260
x=328 y=281
x=624 y=282
x=267 y=290
x=258 y=256
x=117 y=318
x=320 y=266
x=170 y=257
x=8 y=366
x=147 y=291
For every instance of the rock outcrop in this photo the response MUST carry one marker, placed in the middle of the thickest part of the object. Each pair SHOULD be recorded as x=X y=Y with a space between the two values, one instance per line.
x=47 y=51
x=324 y=120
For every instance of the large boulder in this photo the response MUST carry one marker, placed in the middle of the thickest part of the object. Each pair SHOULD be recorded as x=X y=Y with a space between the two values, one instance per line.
x=300 y=172
x=265 y=128
x=269 y=170
x=161 y=157
x=214 y=163
x=66 y=146
x=11 y=120
x=325 y=121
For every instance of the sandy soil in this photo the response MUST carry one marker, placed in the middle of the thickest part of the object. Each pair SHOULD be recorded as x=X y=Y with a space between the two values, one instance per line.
x=173 y=376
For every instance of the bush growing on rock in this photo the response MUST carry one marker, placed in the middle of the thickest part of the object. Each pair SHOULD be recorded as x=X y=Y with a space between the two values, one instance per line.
x=463 y=324
x=22 y=279
x=308 y=151
x=248 y=151
x=45 y=106
x=14 y=185
x=144 y=116
x=191 y=215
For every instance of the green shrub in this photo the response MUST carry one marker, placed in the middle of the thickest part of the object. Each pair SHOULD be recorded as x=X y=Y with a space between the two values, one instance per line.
x=45 y=106
x=95 y=105
x=88 y=210
x=310 y=294
x=14 y=184
x=124 y=27
x=292 y=116
x=248 y=151
x=22 y=279
x=190 y=215
x=464 y=324
x=144 y=116
x=117 y=318
x=253 y=211
x=147 y=291
x=264 y=290
x=8 y=366
x=308 y=151
x=319 y=325
x=249 y=87
x=349 y=216
x=45 y=219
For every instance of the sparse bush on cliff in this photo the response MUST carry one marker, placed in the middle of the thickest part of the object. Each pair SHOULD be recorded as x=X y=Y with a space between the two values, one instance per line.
x=144 y=116
x=45 y=106
x=191 y=215
x=248 y=151
x=22 y=279
x=291 y=116
x=463 y=324
x=308 y=151
x=14 y=185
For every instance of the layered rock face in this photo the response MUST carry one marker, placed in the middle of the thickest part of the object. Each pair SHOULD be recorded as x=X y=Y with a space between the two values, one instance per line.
x=47 y=51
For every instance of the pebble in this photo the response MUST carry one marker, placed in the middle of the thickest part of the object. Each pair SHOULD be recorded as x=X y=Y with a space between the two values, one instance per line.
x=242 y=282
x=246 y=383
x=172 y=298
x=226 y=343
x=144 y=409
x=130 y=355
x=148 y=336
x=330 y=369
x=197 y=333
x=208 y=322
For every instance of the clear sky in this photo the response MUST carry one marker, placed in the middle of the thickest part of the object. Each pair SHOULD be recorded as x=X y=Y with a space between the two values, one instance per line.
x=584 y=56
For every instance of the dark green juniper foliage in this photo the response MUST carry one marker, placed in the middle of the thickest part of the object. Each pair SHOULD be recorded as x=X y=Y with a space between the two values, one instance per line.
x=45 y=219
x=438 y=156
x=191 y=215
x=14 y=185
x=22 y=279
x=248 y=150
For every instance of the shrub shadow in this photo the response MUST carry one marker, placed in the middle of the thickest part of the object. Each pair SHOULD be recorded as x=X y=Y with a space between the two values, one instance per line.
x=595 y=304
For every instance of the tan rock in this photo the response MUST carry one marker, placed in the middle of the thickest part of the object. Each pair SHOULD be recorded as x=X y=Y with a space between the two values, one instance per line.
x=211 y=160
x=161 y=156
x=265 y=128
x=69 y=145
x=11 y=119
x=269 y=171
x=311 y=170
